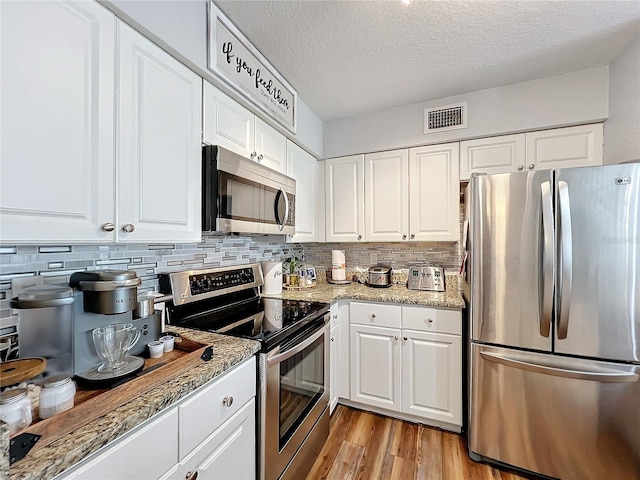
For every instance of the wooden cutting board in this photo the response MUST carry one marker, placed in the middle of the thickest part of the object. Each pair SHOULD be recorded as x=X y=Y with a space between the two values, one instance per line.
x=16 y=371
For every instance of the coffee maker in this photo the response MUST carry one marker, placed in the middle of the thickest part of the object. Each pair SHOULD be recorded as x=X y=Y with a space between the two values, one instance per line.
x=104 y=297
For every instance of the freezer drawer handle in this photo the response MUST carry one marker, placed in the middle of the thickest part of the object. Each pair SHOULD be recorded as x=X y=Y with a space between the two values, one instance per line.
x=607 y=376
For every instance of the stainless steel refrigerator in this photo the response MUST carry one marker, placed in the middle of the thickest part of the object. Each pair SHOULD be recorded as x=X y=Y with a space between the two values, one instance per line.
x=554 y=321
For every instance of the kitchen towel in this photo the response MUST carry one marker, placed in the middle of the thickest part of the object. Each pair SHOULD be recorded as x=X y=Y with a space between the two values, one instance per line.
x=338 y=265
x=272 y=273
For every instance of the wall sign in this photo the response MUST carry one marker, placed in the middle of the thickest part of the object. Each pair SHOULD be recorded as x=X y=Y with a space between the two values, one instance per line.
x=239 y=64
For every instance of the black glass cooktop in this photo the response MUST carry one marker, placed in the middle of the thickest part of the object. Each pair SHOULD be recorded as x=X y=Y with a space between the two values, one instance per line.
x=267 y=320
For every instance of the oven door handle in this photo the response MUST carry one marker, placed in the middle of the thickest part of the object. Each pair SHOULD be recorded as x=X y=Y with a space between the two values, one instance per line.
x=281 y=357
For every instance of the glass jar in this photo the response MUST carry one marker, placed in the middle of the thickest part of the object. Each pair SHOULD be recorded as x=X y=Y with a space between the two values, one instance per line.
x=15 y=409
x=56 y=396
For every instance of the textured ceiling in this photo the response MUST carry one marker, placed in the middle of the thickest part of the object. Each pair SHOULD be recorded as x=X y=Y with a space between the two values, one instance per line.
x=350 y=57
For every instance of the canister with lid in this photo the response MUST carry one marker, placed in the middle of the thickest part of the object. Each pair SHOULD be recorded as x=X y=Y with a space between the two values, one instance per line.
x=15 y=409
x=57 y=395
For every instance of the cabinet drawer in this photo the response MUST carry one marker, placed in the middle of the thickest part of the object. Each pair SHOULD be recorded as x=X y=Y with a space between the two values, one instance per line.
x=432 y=320
x=378 y=314
x=205 y=411
x=129 y=457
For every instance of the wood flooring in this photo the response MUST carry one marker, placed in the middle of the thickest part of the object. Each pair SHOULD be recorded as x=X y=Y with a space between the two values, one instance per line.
x=367 y=446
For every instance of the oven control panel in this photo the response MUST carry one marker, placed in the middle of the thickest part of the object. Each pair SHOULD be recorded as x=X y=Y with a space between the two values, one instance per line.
x=195 y=285
x=210 y=282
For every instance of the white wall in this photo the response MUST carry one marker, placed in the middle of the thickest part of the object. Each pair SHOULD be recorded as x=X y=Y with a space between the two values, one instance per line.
x=622 y=129
x=180 y=27
x=573 y=98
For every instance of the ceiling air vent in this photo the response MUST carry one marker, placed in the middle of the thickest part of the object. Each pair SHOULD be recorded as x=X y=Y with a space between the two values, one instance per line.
x=446 y=117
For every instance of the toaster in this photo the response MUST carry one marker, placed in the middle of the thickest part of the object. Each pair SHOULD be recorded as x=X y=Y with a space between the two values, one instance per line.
x=428 y=277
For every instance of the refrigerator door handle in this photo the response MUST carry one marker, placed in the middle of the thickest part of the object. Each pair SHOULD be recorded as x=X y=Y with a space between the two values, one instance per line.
x=548 y=259
x=566 y=256
x=600 y=375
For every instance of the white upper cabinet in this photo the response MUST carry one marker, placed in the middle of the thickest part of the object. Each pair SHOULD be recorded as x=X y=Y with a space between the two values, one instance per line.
x=56 y=125
x=434 y=193
x=159 y=153
x=492 y=155
x=344 y=180
x=230 y=125
x=386 y=196
x=62 y=179
x=578 y=146
x=304 y=169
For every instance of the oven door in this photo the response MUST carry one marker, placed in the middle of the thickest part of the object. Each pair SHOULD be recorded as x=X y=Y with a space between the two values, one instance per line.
x=294 y=394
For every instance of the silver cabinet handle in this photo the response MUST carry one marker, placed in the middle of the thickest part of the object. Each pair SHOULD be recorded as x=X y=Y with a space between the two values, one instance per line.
x=404 y=236
x=333 y=339
x=532 y=166
x=520 y=167
x=191 y=475
x=227 y=401
x=108 y=227
x=396 y=337
x=253 y=154
x=405 y=338
x=128 y=227
x=413 y=235
x=335 y=316
x=373 y=315
x=359 y=237
x=430 y=320
x=260 y=157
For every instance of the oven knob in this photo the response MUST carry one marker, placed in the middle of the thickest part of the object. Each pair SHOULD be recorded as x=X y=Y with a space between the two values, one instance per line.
x=227 y=401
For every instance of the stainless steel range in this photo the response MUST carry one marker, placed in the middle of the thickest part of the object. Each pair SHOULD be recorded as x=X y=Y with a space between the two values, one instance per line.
x=293 y=373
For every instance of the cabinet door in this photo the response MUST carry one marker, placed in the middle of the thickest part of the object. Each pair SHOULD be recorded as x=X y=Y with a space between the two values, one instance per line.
x=159 y=152
x=344 y=179
x=501 y=154
x=150 y=451
x=432 y=376
x=334 y=359
x=375 y=366
x=227 y=123
x=304 y=169
x=56 y=123
x=386 y=196
x=229 y=453
x=579 y=146
x=434 y=190
x=270 y=147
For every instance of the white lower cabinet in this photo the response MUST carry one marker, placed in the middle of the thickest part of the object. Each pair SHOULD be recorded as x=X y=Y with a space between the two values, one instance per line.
x=407 y=360
x=228 y=453
x=211 y=434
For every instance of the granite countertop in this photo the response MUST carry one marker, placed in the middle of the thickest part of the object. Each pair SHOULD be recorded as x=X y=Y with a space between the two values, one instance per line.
x=397 y=293
x=46 y=462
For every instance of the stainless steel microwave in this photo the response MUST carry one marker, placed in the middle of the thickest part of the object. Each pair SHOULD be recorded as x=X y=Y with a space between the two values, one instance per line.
x=240 y=195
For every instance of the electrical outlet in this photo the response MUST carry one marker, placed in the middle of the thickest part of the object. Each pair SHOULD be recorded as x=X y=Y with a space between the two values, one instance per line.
x=373 y=258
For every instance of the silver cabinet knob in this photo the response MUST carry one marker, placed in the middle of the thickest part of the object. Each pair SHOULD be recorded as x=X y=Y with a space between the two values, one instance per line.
x=532 y=166
x=333 y=339
x=108 y=227
x=335 y=316
x=404 y=236
x=191 y=475
x=128 y=227
x=253 y=154
x=430 y=320
x=396 y=337
x=359 y=237
x=227 y=401
x=373 y=315
x=260 y=157
x=520 y=167
x=405 y=338
x=413 y=235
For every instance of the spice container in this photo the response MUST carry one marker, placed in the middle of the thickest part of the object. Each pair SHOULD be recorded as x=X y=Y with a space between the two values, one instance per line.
x=56 y=396
x=15 y=409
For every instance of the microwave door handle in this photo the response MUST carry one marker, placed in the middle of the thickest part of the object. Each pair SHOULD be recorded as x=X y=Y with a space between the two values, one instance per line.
x=548 y=259
x=281 y=357
x=566 y=258
x=281 y=193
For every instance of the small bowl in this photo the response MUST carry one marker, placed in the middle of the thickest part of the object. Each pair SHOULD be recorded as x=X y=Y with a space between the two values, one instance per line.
x=167 y=342
x=156 y=349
